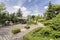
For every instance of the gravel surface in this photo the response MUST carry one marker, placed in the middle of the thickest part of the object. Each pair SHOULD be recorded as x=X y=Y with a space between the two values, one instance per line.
x=5 y=32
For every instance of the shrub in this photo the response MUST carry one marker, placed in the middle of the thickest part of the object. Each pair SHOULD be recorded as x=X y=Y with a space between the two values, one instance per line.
x=47 y=23
x=27 y=27
x=16 y=30
x=46 y=31
x=50 y=32
x=36 y=30
x=55 y=34
x=41 y=20
x=30 y=35
x=33 y=22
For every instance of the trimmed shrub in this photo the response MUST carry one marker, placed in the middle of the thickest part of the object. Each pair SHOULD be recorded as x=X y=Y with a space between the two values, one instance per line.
x=33 y=22
x=36 y=30
x=41 y=20
x=31 y=34
x=47 y=23
x=27 y=27
x=16 y=30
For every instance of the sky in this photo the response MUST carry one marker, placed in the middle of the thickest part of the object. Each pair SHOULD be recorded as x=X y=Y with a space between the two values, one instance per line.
x=28 y=7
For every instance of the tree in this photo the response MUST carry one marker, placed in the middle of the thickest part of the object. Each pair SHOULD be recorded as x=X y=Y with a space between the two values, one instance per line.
x=50 y=5
x=12 y=16
x=33 y=17
x=19 y=13
x=52 y=11
x=2 y=13
x=2 y=7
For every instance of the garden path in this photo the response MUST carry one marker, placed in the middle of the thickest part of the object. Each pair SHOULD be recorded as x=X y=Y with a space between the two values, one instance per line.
x=5 y=32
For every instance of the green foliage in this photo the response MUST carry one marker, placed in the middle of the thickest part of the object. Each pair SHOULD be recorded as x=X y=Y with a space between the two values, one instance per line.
x=36 y=30
x=14 y=18
x=16 y=30
x=5 y=16
x=31 y=35
x=2 y=7
x=52 y=11
x=33 y=19
x=50 y=32
x=31 y=22
x=47 y=22
x=19 y=13
x=2 y=13
x=27 y=27
x=54 y=23
x=41 y=20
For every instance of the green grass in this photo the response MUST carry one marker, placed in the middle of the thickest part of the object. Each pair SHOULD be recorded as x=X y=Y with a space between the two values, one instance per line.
x=50 y=32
